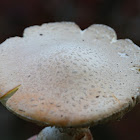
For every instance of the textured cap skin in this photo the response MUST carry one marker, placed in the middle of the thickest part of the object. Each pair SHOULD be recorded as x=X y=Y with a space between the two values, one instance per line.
x=70 y=77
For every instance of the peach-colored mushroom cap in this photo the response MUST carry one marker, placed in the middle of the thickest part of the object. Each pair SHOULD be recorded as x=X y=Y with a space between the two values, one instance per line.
x=70 y=77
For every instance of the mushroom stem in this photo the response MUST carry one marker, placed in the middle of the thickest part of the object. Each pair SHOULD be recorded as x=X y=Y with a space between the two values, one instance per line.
x=4 y=98
x=53 y=133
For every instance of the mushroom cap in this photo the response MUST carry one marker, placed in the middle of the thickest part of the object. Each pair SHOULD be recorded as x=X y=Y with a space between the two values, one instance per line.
x=70 y=77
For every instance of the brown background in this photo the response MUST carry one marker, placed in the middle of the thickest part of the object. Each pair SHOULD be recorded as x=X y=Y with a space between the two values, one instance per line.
x=122 y=15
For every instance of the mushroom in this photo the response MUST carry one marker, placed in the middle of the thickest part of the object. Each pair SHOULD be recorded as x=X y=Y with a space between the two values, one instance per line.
x=59 y=75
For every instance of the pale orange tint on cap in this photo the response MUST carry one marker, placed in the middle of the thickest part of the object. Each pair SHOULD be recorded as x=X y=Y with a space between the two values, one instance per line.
x=70 y=77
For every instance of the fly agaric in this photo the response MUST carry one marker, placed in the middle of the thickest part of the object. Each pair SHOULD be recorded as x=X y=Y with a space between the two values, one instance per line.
x=59 y=75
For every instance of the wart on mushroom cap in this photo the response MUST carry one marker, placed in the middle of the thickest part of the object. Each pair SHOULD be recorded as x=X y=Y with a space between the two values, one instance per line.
x=70 y=77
